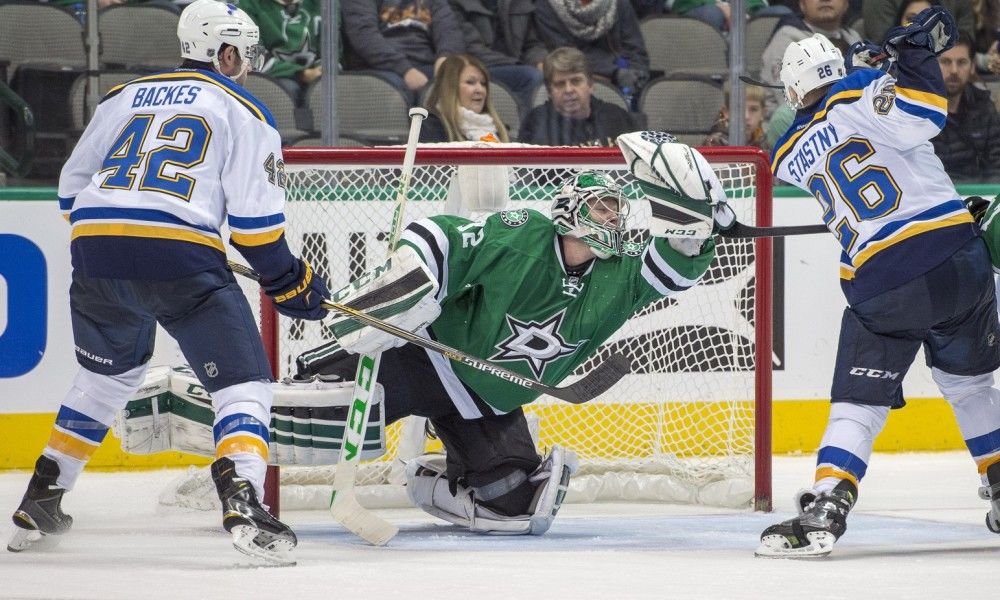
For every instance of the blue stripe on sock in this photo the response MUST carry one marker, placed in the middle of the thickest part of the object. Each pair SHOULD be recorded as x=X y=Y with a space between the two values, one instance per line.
x=843 y=460
x=239 y=422
x=984 y=444
x=81 y=424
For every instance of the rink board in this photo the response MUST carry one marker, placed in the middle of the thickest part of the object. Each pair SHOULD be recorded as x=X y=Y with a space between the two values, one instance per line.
x=35 y=375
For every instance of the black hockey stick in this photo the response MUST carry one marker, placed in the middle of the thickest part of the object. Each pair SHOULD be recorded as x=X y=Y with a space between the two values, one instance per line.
x=751 y=81
x=741 y=230
x=592 y=385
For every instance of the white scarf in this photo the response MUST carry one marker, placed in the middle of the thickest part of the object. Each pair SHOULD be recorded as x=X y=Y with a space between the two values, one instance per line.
x=586 y=22
x=475 y=125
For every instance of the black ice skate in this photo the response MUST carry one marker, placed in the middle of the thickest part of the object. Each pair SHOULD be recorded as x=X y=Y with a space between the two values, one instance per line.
x=255 y=532
x=813 y=532
x=39 y=515
x=991 y=492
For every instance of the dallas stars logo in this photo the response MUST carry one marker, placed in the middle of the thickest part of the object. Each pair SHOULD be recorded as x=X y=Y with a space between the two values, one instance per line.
x=536 y=343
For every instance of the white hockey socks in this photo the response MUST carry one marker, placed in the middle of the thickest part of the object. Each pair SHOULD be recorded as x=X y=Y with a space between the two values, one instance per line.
x=86 y=414
x=847 y=443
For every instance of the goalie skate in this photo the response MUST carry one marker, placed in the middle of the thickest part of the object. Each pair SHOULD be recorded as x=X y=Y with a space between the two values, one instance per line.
x=255 y=532
x=814 y=531
x=991 y=492
x=39 y=519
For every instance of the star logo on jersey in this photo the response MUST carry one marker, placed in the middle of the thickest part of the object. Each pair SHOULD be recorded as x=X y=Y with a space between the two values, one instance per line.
x=514 y=217
x=536 y=343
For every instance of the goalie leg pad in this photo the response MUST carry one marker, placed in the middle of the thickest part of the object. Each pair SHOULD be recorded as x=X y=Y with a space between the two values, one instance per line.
x=401 y=292
x=428 y=489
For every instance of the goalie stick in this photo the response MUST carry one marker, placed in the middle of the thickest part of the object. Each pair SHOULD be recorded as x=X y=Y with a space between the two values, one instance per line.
x=592 y=385
x=344 y=505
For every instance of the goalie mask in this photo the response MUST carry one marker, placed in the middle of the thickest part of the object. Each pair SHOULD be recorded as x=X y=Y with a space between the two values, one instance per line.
x=592 y=209
x=205 y=25
x=810 y=64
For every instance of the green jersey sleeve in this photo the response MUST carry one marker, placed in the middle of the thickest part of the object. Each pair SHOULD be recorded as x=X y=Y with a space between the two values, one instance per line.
x=507 y=296
x=991 y=231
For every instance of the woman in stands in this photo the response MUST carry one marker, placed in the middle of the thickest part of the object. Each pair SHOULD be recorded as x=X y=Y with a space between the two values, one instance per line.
x=459 y=105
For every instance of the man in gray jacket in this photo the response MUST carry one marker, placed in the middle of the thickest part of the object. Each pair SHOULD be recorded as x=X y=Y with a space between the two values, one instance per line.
x=403 y=41
x=501 y=33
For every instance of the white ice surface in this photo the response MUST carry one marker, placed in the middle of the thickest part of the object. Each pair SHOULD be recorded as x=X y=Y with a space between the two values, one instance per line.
x=917 y=532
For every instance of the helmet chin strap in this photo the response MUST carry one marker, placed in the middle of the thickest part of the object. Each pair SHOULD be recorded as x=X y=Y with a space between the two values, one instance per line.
x=244 y=67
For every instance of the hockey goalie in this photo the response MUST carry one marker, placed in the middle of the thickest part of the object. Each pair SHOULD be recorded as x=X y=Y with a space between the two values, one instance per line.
x=535 y=294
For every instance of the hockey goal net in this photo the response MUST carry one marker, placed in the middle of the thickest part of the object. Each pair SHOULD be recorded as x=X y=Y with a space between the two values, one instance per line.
x=690 y=424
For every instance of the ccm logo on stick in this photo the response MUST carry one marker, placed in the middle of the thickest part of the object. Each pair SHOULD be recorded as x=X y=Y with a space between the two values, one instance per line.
x=23 y=305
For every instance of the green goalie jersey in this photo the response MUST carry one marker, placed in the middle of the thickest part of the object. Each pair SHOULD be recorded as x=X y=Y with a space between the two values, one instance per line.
x=506 y=296
x=990 y=224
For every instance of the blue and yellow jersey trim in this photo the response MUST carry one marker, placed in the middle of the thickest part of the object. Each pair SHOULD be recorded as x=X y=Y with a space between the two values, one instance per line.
x=944 y=215
x=144 y=223
x=927 y=105
x=256 y=231
x=65 y=206
x=234 y=90
x=847 y=90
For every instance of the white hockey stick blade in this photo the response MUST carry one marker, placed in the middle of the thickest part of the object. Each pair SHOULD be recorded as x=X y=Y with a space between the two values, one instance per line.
x=277 y=553
x=357 y=519
x=777 y=546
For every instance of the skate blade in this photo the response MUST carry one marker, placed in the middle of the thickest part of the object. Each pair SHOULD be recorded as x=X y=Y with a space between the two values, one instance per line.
x=777 y=546
x=24 y=539
x=277 y=553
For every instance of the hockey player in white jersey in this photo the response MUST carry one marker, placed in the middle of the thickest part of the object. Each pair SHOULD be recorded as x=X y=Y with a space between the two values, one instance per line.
x=167 y=160
x=913 y=268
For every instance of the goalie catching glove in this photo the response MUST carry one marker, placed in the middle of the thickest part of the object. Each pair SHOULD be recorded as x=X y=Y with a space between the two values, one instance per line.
x=400 y=292
x=687 y=200
x=298 y=293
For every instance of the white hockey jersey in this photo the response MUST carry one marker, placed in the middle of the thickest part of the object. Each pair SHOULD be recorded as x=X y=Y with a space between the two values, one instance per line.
x=165 y=159
x=865 y=153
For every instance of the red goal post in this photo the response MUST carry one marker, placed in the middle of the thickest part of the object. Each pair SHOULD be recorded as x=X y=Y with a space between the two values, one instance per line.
x=321 y=182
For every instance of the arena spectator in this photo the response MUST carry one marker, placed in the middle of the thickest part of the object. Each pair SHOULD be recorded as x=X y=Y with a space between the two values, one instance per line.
x=606 y=31
x=459 y=106
x=648 y=8
x=881 y=15
x=969 y=144
x=501 y=33
x=718 y=13
x=401 y=40
x=571 y=116
x=753 y=120
x=289 y=32
x=987 y=15
x=818 y=16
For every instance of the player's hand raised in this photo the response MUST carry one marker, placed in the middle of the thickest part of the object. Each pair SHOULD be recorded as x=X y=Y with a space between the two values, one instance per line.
x=933 y=28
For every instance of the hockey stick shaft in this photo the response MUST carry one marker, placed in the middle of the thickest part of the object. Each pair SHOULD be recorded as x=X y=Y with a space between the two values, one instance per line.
x=741 y=230
x=589 y=387
x=344 y=505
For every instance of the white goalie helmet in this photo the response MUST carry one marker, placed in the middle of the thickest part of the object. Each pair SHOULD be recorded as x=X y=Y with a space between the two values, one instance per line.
x=205 y=25
x=593 y=209
x=810 y=64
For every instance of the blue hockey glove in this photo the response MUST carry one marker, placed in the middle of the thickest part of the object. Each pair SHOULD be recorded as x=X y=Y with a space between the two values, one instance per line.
x=298 y=293
x=933 y=28
x=866 y=55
